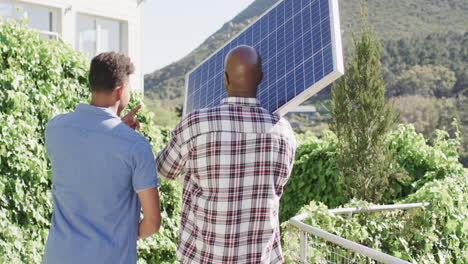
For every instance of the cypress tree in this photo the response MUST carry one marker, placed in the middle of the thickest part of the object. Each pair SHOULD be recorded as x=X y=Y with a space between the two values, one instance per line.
x=361 y=119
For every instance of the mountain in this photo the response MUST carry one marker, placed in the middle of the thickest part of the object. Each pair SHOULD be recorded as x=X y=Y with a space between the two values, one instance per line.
x=168 y=83
x=391 y=19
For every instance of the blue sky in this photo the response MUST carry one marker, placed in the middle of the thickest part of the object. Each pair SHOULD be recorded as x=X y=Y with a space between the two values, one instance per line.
x=173 y=28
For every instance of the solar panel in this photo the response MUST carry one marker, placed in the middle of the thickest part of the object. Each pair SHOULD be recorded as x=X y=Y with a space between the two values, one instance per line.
x=300 y=45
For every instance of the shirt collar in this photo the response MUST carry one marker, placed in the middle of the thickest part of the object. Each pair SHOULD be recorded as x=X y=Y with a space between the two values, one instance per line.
x=95 y=110
x=241 y=101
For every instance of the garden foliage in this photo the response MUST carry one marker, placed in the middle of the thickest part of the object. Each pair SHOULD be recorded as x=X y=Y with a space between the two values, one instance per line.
x=315 y=176
x=437 y=233
x=39 y=79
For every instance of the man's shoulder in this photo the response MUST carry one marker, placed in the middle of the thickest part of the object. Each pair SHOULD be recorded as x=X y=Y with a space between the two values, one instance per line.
x=58 y=120
x=194 y=118
x=113 y=127
x=224 y=116
x=198 y=122
x=201 y=117
x=228 y=111
x=202 y=113
x=284 y=123
x=137 y=138
x=128 y=134
x=283 y=128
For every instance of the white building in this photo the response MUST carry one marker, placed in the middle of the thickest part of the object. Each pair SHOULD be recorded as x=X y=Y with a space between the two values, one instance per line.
x=91 y=26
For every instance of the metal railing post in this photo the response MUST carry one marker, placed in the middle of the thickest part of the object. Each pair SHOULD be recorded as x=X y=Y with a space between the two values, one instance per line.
x=354 y=247
x=304 y=242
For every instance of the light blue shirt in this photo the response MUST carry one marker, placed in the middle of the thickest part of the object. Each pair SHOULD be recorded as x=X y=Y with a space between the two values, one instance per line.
x=98 y=166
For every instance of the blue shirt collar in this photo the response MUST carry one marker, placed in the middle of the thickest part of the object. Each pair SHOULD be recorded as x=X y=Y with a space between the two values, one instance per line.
x=86 y=108
x=241 y=101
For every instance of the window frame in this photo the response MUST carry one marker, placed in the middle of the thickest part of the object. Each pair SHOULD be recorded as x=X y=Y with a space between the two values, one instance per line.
x=123 y=32
x=54 y=22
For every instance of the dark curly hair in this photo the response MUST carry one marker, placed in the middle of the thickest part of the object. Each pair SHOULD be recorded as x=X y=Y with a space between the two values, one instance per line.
x=109 y=70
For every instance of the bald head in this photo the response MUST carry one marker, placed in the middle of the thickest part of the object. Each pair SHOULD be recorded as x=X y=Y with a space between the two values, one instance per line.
x=242 y=72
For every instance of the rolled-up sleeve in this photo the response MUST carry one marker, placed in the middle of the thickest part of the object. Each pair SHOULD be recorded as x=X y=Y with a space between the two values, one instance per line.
x=144 y=175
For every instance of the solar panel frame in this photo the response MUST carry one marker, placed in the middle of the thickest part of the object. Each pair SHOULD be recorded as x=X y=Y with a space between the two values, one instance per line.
x=257 y=33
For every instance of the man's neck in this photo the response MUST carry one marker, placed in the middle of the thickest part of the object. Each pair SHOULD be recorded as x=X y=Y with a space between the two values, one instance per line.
x=105 y=103
x=245 y=95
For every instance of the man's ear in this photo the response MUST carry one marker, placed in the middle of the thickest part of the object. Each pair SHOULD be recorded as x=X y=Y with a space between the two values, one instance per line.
x=118 y=92
x=226 y=80
x=260 y=79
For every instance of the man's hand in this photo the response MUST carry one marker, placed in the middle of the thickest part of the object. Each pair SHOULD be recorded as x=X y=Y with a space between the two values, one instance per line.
x=130 y=119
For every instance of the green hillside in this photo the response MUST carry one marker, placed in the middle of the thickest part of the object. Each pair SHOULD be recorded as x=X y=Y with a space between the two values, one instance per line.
x=424 y=56
x=167 y=85
x=392 y=19
x=395 y=19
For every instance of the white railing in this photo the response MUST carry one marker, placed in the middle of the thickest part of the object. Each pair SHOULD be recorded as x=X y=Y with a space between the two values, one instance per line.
x=54 y=35
x=51 y=34
x=332 y=240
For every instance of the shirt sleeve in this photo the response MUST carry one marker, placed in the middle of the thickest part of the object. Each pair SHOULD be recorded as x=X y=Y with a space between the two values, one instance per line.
x=289 y=146
x=171 y=160
x=144 y=174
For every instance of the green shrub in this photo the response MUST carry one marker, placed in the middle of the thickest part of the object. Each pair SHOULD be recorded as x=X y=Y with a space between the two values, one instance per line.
x=39 y=79
x=315 y=176
x=161 y=247
x=435 y=234
x=424 y=162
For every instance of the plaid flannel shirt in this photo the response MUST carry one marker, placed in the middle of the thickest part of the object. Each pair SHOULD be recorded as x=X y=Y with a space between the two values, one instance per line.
x=236 y=159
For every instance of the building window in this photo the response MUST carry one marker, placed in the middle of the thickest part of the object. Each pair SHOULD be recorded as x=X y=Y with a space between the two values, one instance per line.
x=87 y=39
x=38 y=17
x=96 y=35
x=7 y=10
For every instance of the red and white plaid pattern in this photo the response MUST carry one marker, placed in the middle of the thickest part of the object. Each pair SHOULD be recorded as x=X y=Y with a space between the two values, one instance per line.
x=236 y=158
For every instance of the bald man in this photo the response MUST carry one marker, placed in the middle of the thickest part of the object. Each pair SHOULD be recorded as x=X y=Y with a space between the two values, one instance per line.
x=236 y=159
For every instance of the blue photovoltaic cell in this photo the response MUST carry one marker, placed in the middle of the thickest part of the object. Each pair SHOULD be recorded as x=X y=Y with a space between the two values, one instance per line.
x=294 y=40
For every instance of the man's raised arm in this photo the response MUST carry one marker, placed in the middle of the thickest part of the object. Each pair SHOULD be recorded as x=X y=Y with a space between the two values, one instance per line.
x=171 y=160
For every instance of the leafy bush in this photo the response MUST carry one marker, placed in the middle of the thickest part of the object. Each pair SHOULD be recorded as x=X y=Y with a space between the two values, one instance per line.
x=436 y=234
x=424 y=162
x=39 y=79
x=315 y=176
